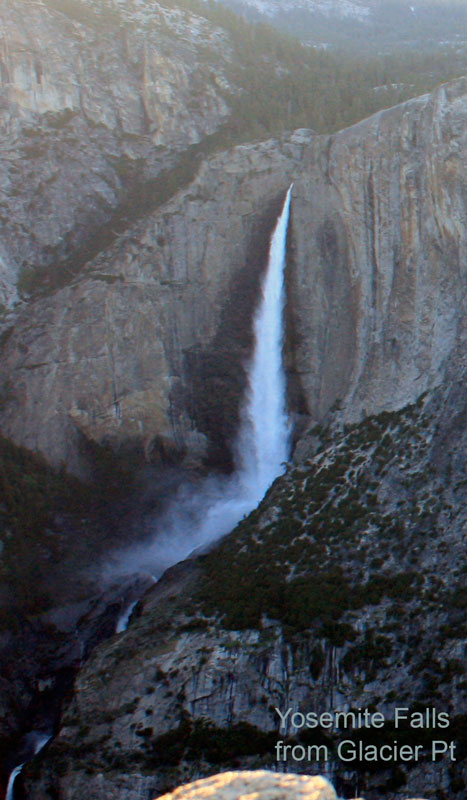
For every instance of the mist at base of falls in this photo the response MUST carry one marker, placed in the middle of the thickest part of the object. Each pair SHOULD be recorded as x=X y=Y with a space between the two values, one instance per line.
x=197 y=516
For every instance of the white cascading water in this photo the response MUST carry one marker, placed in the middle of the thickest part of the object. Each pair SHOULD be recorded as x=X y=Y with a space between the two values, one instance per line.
x=10 y=789
x=197 y=517
x=37 y=741
x=124 y=618
x=194 y=519
x=263 y=441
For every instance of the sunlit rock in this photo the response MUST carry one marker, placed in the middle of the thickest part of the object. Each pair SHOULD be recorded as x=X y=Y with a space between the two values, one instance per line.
x=255 y=785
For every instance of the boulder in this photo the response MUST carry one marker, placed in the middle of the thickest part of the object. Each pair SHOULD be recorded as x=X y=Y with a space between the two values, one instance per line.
x=256 y=784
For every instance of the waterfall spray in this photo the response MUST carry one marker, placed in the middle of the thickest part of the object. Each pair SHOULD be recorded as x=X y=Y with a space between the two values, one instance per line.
x=193 y=520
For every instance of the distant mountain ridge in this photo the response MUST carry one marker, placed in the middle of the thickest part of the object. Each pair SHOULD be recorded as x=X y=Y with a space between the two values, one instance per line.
x=377 y=24
x=359 y=9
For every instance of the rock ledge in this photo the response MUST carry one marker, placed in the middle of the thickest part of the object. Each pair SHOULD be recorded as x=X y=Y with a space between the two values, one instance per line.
x=256 y=785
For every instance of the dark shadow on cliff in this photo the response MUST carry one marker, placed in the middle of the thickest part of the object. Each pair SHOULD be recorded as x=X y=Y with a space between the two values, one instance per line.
x=216 y=375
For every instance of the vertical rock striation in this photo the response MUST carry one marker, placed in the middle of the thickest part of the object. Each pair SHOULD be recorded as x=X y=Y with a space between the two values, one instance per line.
x=378 y=284
x=132 y=353
x=95 y=98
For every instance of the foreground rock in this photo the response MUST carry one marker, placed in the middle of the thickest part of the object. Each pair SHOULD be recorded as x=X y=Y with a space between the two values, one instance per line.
x=257 y=785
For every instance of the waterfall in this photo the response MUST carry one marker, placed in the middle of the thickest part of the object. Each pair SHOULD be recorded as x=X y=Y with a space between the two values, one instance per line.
x=196 y=518
x=125 y=616
x=34 y=741
x=263 y=442
x=10 y=791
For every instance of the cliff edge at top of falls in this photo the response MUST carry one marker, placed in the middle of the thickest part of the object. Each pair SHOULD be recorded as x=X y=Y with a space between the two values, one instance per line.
x=131 y=353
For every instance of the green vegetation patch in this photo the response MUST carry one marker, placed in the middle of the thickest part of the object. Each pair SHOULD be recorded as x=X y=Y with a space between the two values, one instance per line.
x=312 y=88
x=48 y=520
x=202 y=740
x=326 y=514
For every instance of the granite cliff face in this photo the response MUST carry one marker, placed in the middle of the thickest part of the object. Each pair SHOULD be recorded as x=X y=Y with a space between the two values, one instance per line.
x=95 y=98
x=378 y=252
x=130 y=353
x=135 y=346
x=133 y=350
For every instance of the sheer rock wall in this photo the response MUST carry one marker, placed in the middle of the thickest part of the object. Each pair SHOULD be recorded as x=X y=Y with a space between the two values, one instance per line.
x=133 y=351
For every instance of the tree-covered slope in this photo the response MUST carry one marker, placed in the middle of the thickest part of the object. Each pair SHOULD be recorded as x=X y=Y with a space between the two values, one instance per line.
x=372 y=25
x=345 y=590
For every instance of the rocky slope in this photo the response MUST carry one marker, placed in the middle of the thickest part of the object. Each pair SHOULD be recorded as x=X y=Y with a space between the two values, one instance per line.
x=271 y=619
x=344 y=591
x=130 y=353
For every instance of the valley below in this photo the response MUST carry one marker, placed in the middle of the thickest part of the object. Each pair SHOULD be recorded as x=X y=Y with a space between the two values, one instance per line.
x=137 y=221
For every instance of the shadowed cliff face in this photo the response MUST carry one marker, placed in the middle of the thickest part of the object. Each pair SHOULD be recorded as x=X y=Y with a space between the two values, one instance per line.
x=127 y=351
x=146 y=348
